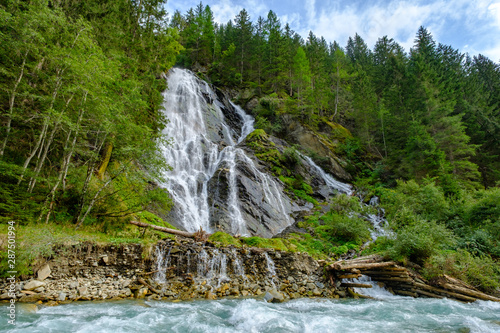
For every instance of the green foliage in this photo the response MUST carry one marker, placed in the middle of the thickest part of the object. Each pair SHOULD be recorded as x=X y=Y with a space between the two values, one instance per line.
x=151 y=218
x=224 y=239
x=426 y=200
x=270 y=243
x=479 y=271
x=420 y=240
x=80 y=90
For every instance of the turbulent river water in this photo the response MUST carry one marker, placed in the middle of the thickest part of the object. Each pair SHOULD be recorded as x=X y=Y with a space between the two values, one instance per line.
x=391 y=314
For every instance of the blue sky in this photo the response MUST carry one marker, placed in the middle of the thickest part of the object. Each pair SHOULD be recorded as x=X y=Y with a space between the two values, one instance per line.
x=471 y=26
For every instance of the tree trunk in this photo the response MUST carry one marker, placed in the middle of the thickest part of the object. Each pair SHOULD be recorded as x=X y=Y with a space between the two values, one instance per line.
x=11 y=106
x=45 y=149
x=164 y=229
x=81 y=218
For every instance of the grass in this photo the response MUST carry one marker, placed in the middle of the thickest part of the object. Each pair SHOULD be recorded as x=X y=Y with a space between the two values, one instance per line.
x=39 y=240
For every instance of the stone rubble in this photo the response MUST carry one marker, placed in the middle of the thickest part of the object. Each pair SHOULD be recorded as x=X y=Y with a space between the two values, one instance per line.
x=87 y=272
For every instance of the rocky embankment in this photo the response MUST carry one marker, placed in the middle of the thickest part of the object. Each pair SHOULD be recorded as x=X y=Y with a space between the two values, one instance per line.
x=172 y=270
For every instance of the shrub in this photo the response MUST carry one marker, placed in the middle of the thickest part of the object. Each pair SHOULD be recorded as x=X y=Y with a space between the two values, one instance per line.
x=480 y=271
x=419 y=241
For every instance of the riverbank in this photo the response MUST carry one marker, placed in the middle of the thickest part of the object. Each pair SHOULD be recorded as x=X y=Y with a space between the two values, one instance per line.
x=180 y=269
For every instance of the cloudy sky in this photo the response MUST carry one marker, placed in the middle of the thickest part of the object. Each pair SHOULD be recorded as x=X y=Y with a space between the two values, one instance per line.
x=471 y=26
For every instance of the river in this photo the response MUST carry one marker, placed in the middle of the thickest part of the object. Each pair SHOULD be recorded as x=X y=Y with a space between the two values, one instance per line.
x=391 y=314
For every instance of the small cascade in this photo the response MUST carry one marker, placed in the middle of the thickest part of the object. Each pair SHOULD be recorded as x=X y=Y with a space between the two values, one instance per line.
x=213 y=269
x=376 y=291
x=328 y=179
x=377 y=219
x=271 y=270
x=162 y=264
x=202 y=264
x=218 y=268
x=238 y=267
x=188 y=259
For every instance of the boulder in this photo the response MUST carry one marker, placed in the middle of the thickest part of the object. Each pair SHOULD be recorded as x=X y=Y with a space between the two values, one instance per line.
x=274 y=296
x=33 y=284
x=61 y=296
x=44 y=272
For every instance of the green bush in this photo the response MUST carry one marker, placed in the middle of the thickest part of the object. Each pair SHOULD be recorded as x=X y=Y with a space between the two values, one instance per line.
x=426 y=200
x=419 y=241
x=480 y=271
x=290 y=158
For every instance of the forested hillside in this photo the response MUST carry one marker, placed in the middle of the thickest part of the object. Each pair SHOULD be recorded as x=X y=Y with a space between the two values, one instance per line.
x=81 y=87
x=80 y=90
x=432 y=112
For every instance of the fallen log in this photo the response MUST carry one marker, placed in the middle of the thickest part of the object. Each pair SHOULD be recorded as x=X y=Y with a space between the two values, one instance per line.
x=368 y=259
x=349 y=276
x=387 y=272
x=445 y=292
x=405 y=292
x=428 y=294
x=197 y=235
x=361 y=266
x=355 y=285
x=470 y=292
x=391 y=279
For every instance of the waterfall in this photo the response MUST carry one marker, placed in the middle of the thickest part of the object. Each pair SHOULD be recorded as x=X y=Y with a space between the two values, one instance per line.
x=162 y=264
x=328 y=179
x=202 y=264
x=212 y=268
x=271 y=270
x=377 y=220
x=203 y=142
x=238 y=268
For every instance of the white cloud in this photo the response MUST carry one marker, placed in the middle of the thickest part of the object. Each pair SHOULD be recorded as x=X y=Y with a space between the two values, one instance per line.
x=225 y=10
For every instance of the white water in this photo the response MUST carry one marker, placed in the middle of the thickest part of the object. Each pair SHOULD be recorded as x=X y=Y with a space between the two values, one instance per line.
x=238 y=267
x=405 y=315
x=376 y=291
x=162 y=263
x=271 y=270
x=377 y=219
x=195 y=158
x=212 y=268
x=328 y=179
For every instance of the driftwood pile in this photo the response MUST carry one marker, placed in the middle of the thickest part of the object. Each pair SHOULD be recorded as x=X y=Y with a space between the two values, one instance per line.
x=402 y=281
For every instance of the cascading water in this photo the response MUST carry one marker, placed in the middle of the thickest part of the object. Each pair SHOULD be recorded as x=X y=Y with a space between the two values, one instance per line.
x=271 y=270
x=204 y=143
x=376 y=291
x=377 y=219
x=238 y=267
x=162 y=263
x=329 y=180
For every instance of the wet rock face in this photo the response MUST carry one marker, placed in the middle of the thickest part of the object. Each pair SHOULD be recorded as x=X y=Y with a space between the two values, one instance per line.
x=311 y=141
x=261 y=217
